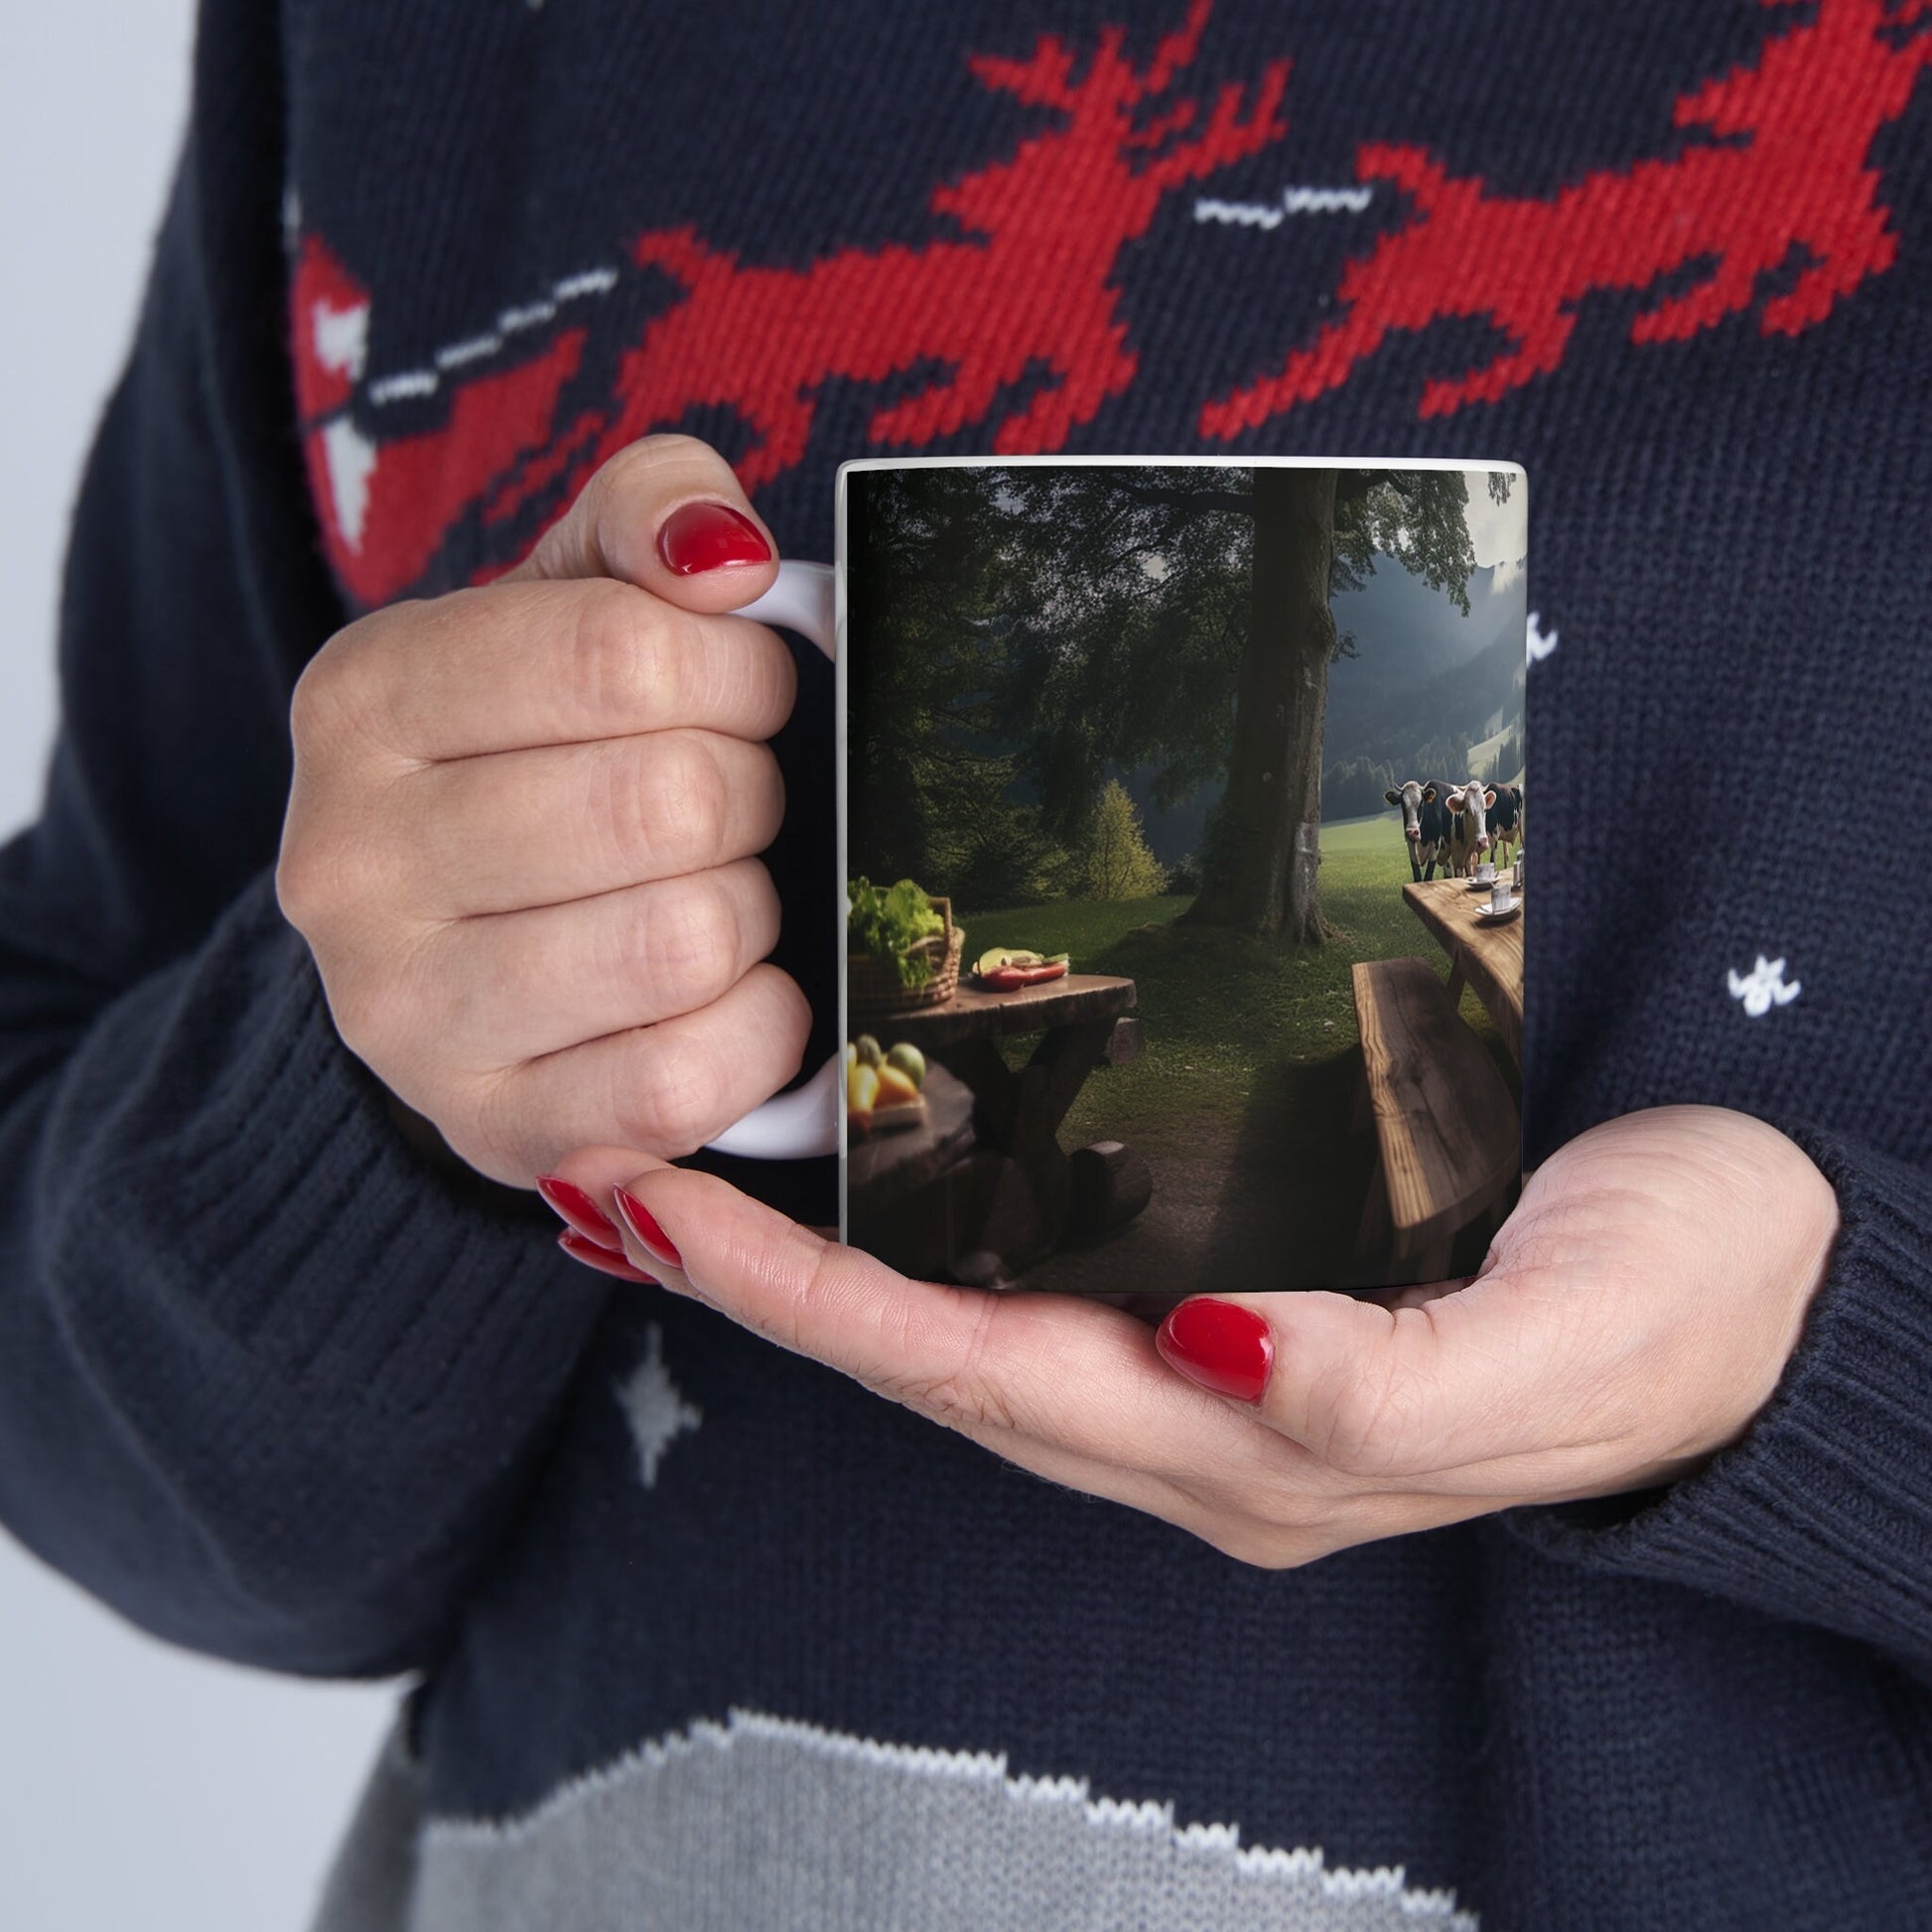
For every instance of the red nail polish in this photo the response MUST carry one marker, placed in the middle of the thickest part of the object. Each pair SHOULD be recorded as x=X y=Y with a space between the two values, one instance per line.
x=697 y=537
x=578 y=1248
x=583 y=1214
x=644 y=1224
x=1221 y=1346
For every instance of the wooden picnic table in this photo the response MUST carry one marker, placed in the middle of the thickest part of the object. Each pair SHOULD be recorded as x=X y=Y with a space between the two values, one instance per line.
x=1484 y=954
x=1005 y=1201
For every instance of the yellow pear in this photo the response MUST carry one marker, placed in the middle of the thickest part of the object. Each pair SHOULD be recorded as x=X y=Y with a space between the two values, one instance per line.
x=861 y=1087
x=896 y=1087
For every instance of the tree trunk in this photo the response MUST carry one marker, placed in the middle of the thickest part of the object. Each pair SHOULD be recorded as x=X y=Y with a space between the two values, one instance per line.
x=1259 y=872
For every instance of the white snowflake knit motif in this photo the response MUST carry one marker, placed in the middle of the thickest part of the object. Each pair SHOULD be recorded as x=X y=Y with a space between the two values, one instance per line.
x=1764 y=987
x=654 y=1407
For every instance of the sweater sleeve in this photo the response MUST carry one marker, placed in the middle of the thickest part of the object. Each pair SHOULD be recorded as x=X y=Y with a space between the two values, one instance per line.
x=270 y=1385
x=1822 y=1513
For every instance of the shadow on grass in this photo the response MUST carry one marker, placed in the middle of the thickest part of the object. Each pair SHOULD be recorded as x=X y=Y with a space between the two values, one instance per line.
x=1243 y=1100
x=1268 y=1200
x=1296 y=1181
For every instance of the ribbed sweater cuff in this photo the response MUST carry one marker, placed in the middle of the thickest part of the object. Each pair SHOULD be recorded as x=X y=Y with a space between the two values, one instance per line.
x=288 y=1206
x=1823 y=1512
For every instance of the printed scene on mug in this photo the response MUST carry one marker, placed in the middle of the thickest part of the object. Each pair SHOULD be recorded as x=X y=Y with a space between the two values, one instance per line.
x=1184 y=859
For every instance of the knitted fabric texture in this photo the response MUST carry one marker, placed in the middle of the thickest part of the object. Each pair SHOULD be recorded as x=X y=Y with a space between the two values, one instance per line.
x=276 y=1388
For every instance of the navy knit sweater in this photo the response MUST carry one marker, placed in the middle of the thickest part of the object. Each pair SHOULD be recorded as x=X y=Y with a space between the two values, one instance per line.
x=708 y=1635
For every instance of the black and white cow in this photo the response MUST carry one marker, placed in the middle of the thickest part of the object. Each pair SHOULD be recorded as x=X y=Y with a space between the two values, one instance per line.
x=1506 y=820
x=1469 y=840
x=1424 y=824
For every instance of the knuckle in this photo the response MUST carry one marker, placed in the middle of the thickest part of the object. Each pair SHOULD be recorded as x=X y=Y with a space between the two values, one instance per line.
x=599 y=503
x=765 y=786
x=617 y=821
x=342 y=863
x=962 y=1397
x=395 y=1013
x=321 y=877
x=614 y=664
x=1370 y=1423
x=711 y=931
x=690 y=945
x=785 y=1019
x=329 y=693
x=357 y=687
x=968 y=1407
x=487 y=1122
x=751 y=676
x=758 y=914
x=795 y=1318
x=299 y=892
x=682 y=808
x=677 y=1101
x=303 y=886
x=689 y=1076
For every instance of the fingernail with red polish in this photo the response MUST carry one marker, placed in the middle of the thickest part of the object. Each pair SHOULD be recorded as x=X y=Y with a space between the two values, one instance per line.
x=578 y=1248
x=697 y=537
x=583 y=1214
x=644 y=1224
x=1221 y=1346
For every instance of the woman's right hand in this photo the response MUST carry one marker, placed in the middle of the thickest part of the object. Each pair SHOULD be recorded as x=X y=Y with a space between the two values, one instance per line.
x=520 y=840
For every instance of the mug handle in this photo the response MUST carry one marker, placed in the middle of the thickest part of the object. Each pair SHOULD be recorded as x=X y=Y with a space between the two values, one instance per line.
x=804 y=1122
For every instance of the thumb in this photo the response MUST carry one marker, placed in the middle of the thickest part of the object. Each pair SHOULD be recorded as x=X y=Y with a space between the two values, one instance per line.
x=667 y=516
x=1375 y=1391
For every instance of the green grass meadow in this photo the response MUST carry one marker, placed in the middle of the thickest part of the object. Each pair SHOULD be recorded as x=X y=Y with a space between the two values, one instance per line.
x=1217 y=1009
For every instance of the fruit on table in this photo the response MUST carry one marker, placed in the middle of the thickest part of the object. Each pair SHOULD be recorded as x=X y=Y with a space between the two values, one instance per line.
x=909 y=1061
x=895 y=1088
x=880 y=1097
x=870 y=1054
x=861 y=1090
x=1014 y=973
x=1004 y=969
x=996 y=957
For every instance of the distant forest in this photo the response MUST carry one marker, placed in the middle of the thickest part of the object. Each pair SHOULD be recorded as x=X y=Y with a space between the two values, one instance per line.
x=1464 y=723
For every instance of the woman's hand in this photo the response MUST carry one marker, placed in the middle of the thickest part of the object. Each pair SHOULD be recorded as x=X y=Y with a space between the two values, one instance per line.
x=520 y=838
x=1632 y=1317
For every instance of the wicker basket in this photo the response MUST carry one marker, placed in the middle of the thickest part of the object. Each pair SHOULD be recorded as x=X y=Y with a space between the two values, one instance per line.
x=872 y=985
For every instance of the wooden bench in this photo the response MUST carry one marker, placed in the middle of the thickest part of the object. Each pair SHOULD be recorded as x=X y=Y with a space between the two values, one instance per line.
x=1448 y=1137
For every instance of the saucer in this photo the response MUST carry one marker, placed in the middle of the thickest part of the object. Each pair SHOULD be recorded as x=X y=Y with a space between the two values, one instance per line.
x=1494 y=917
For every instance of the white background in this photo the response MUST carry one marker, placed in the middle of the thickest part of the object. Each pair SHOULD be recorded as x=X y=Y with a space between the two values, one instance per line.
x=139 y=1787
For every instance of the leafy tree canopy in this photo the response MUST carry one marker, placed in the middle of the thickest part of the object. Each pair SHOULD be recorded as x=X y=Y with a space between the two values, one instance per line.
x=1026 y=629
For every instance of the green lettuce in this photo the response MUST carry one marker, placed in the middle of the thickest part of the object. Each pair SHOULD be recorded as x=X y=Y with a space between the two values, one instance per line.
x=887 y=921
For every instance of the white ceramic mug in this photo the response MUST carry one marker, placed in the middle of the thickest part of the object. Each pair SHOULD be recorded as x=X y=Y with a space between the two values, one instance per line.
x=1499 y=897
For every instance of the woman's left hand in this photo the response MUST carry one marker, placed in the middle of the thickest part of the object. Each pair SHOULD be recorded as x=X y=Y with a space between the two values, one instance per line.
x=1634 y=1315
